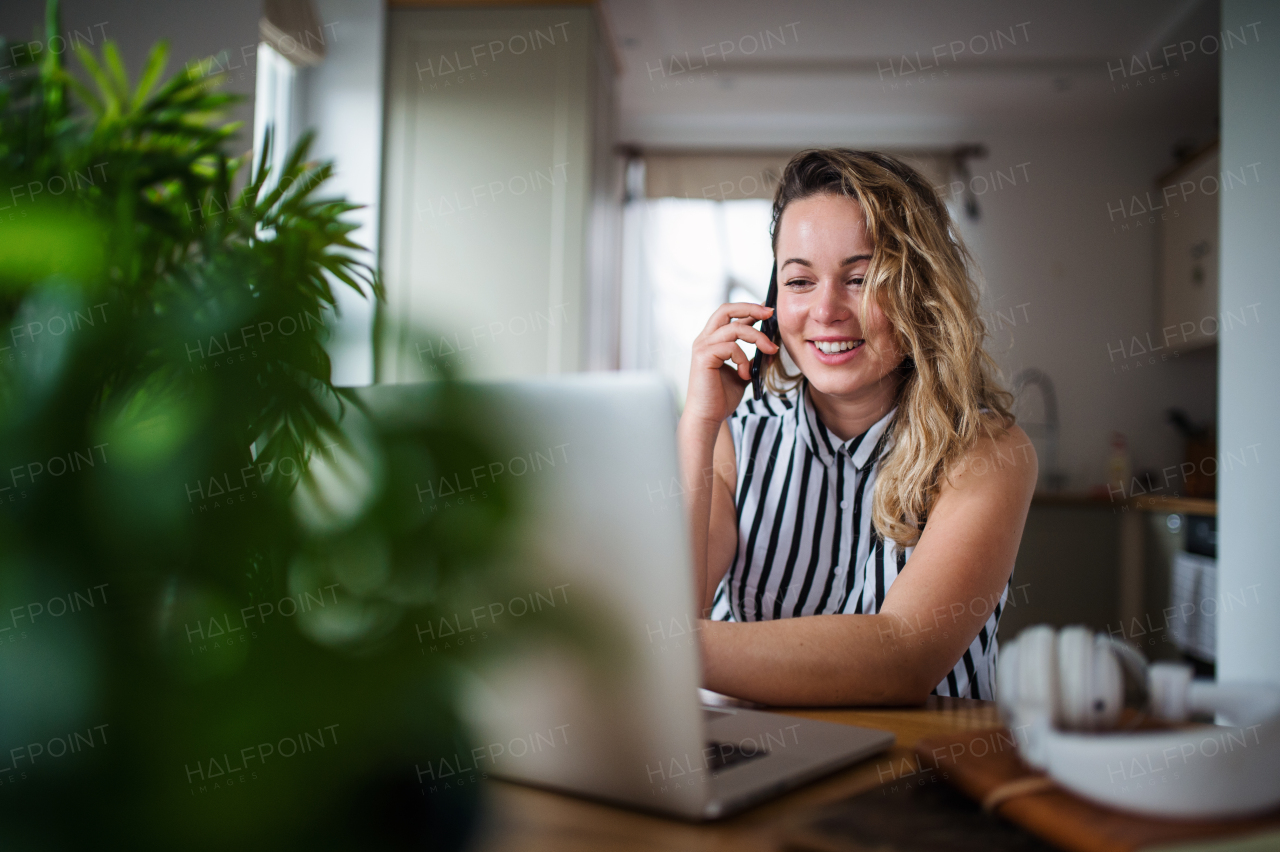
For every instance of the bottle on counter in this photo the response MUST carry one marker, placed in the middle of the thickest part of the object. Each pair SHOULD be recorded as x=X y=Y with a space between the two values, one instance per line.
x=1119 y=468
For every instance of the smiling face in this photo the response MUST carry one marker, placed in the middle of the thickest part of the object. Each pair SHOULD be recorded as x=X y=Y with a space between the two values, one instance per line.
x=823 y=251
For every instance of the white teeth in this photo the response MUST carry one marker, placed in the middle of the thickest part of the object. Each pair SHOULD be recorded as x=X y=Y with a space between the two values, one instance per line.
x=831 y=347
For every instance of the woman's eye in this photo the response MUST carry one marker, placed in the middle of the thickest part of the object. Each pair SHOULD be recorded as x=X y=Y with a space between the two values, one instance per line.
x=857 y=282
x=799 y=282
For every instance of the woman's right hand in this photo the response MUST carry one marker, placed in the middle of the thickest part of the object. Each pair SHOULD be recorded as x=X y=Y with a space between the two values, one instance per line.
x=715 y=389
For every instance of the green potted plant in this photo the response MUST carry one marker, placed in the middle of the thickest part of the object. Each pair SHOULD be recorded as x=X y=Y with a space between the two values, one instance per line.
x=209 y=568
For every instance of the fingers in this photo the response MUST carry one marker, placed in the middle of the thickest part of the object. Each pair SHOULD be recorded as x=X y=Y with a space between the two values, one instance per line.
x=744 y=332
x=742 y=310
x=719 y=341
x=714 y=356
x=737 y=311
x=715 y=353
x=740 y=374
x=741 y=363
x=737 y=356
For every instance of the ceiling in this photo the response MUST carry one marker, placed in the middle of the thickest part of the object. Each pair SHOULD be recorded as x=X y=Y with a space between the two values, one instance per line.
x=758 y=74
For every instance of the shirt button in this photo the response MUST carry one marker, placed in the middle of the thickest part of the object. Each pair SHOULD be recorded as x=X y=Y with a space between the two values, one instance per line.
x=843 y=503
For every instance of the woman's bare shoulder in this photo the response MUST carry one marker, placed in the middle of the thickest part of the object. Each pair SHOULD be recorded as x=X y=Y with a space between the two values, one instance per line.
x=1003 y=458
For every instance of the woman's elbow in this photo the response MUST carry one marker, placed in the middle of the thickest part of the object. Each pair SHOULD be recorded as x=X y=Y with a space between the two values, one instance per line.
x=908 y=691
x=913 y=680
x=900 y=687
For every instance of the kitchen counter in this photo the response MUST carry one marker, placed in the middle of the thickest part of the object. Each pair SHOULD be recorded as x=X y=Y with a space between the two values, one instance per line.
x=1143 y=503
x=1131 y=589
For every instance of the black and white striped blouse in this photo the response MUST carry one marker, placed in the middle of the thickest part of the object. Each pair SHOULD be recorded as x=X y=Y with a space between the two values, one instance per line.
x=806 y=544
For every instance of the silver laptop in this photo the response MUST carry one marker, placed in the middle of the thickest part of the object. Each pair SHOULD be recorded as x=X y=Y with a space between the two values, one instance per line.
x=603 y=552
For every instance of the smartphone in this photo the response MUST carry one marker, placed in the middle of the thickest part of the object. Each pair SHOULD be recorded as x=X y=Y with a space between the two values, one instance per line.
x=770 y=328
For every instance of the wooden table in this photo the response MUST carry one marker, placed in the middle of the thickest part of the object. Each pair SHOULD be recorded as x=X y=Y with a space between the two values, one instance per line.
x=530 y=820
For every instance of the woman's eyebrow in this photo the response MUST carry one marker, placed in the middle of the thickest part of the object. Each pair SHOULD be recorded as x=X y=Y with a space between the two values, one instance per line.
x=846 y=262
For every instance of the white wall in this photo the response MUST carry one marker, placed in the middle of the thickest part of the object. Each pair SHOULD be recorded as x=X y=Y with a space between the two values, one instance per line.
x=604 y=246
x=1062 y=289
x=490 y=159
x=341 y=99
x=1248 y=560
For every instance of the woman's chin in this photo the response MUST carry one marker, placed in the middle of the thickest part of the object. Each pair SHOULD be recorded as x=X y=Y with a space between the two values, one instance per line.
x=841 y=381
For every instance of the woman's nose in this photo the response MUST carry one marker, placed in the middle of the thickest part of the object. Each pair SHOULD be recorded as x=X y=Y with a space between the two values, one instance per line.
x=832 y=304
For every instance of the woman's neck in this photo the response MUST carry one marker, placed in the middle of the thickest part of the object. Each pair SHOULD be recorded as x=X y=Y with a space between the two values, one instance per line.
x=847 y=416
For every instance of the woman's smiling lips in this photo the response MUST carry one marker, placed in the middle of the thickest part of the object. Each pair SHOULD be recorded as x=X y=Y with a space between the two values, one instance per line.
x=834 y=350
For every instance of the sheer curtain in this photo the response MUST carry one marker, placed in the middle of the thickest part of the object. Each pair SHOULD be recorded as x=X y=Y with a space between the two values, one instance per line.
x=694 y=256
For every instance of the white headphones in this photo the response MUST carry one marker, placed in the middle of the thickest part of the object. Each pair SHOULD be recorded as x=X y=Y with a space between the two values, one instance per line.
x=1059 y=690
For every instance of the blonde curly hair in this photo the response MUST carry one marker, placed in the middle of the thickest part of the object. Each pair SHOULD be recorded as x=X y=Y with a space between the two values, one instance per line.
x=920 y=277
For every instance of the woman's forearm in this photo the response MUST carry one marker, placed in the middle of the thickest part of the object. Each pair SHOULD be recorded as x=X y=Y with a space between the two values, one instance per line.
x=820 y=660
x=696 y=441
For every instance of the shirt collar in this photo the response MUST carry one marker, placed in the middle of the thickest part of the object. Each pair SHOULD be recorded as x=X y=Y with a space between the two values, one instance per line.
x=860 y=449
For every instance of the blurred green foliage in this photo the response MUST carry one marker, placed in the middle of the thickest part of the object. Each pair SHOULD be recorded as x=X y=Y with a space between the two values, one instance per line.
x=177 y=471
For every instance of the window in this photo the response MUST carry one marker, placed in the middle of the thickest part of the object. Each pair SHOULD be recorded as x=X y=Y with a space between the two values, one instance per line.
x=695 y=256
x=273 y=106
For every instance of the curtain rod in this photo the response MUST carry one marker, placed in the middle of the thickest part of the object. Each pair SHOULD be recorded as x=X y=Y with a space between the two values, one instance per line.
x=963 y=151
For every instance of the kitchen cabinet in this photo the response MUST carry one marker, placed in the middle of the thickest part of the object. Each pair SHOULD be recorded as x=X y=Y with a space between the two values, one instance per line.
x=1188 y=240
x=1104 y=564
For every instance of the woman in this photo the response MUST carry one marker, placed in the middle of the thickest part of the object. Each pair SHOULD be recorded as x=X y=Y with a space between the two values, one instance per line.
x=881 y=493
